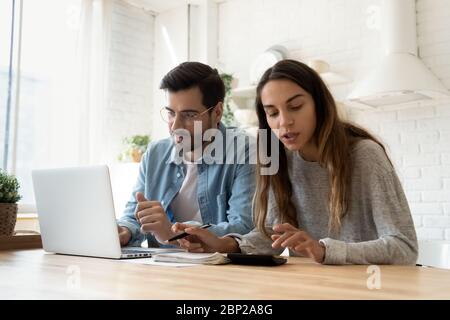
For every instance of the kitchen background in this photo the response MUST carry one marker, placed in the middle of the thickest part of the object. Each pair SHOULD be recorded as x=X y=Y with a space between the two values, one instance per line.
x=146 y=38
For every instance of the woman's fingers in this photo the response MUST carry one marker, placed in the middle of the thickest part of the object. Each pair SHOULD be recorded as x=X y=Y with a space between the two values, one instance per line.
x=281 y=239
x=293 y=241
x=275 y=236
x=284 y=227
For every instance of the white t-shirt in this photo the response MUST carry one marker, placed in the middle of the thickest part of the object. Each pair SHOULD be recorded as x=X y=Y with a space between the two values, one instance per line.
x=185 y=204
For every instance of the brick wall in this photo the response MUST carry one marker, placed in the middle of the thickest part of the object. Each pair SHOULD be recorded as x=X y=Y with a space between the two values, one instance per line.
x=341 y=32
x=131 y=75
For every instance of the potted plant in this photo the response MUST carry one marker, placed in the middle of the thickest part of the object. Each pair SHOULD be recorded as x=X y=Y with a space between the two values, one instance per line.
x=228 y=116
x=9 y=196
x=135 y=147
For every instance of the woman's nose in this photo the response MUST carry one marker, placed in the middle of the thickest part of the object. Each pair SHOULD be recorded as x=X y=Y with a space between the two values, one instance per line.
x=286 y=119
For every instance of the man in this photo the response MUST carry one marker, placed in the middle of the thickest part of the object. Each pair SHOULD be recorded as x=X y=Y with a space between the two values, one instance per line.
x=193 y=190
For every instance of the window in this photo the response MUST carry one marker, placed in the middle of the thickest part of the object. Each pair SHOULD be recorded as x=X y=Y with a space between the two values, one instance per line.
x=45 y=36
x=7 y=73
x=69 y=104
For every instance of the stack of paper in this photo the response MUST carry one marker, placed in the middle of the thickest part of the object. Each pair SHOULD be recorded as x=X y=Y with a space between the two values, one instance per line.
x=188 y=257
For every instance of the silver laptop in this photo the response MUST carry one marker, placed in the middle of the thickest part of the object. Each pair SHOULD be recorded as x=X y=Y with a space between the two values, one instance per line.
x=76 y=213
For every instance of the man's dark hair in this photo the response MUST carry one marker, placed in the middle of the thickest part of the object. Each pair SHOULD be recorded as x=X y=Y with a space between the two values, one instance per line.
x=195 y=74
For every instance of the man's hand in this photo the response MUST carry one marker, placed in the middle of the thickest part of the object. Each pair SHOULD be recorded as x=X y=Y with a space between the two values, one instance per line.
x=124 y=235
x=202 y=240
x=153 y=218
x=299 y=241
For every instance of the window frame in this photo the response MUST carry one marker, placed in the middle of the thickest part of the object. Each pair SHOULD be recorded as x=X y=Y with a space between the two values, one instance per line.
x=9 y=160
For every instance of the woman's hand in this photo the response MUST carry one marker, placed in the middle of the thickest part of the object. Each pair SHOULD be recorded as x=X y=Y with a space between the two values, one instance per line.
x=201 y=240
x=299 y=241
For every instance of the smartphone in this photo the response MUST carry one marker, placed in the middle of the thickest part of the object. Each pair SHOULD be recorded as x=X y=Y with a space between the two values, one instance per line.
x=256 y=259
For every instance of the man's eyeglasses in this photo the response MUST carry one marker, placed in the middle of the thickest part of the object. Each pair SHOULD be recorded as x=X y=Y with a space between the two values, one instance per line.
x=187 y=117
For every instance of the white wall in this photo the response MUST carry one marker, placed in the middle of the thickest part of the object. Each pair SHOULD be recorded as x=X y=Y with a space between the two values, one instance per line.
x=342 y=33
x=171 y=48
x=203 y=32
x=131 y=75
x=130 y=96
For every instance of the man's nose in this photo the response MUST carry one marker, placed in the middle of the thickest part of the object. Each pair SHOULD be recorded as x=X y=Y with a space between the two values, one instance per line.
x=177 y=122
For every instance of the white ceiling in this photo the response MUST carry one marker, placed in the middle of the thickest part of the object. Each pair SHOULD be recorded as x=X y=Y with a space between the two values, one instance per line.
x=157 y=5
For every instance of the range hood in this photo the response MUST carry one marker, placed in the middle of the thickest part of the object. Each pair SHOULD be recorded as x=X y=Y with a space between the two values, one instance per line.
x=401 y=77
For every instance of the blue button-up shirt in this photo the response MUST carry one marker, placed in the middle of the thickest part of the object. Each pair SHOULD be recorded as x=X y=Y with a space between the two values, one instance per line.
x=224 y=190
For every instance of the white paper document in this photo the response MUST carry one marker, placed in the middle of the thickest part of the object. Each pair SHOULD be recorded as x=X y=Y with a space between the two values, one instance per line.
x=188 y=257
x=151 y=261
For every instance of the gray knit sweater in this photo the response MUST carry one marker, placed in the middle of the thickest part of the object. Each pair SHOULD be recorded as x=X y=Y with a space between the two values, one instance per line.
x=377 y=229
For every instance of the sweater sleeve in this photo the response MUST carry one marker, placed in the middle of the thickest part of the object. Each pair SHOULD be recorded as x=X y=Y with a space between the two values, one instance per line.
x=396 y=243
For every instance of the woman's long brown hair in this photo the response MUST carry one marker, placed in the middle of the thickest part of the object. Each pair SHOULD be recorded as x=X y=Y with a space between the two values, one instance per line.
x=333 y=137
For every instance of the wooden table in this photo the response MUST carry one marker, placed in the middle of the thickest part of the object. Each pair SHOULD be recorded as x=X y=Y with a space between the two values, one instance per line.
x=34 y=274
x=20 y=241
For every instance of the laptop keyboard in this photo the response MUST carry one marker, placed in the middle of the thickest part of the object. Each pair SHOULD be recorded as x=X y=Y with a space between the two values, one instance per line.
x=135 y=251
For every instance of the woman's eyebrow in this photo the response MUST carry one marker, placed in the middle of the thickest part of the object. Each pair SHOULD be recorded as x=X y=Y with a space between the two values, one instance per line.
x=293 y=97
x=287 y=101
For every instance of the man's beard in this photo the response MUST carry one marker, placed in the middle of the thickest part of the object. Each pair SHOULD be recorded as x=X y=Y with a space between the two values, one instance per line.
x=192 y=142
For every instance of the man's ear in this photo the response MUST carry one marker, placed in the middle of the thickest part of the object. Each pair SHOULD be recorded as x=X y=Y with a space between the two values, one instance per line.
x=218 y=112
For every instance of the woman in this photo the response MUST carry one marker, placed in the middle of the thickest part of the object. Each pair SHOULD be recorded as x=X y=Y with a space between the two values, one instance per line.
x=336 y=197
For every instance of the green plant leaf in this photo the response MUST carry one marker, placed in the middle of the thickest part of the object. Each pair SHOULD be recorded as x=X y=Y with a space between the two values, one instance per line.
x=228 y=116
x=9 y=188
x=136 y=142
